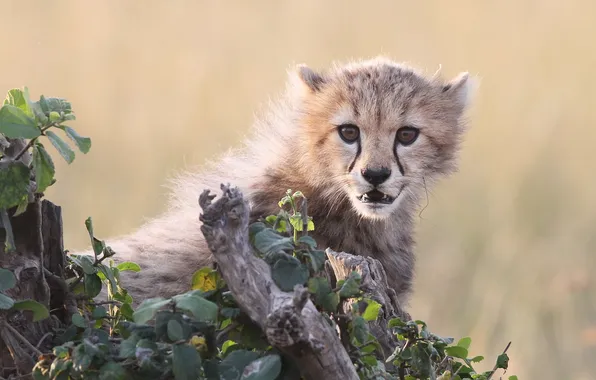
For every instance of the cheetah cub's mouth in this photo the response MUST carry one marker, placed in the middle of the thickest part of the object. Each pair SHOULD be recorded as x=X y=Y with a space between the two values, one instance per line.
x=375 y=196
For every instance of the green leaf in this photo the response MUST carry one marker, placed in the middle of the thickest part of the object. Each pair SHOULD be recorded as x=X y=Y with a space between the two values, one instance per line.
x=175 y=332
x=109 y=274
x=254 y=229
x=80 y=359
x=162 y=318
x=112 y=371
x=319 y=287
x=323 y=294
x=369 y=348
x=284 y=201
x=54 y=116
x=513 y=377
x=251 y=337
x=503 y=361
x=19 y=99
x=61 y=146
x=148 y=308
x=317 y=260
x=99 y=312
x=15 y=123
x=372 y=311
x=79 y=321
x=421 y=361
x=202 y=309
x=233 y=365
x=205 y=279
x=359 y=329
x=351 y=287
x=465 y=342
x=227 y=344
x=477 y=359
x=289 y=272
x=128 y=346
x=369 y=360
x=85 y=262
x=331 y=302
x=396 y=322
x=126 y=312
x=268 y=241
x=7 y=279
x=457 y=352
x=5 y=302
x=298 y=224
x=128 y=266
x=308 y=240
x=21 y=207
x=406 y=354
x=40 y=117
x=44 y=167
x=14 y=178
x=186 y=362
x=92 y=285
x=40 y=312
x=265 y=368
x=83 y=143
x=57 y=105
x=97 y=245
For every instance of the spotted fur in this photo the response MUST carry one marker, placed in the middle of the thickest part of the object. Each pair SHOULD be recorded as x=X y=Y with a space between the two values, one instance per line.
x=296 y=146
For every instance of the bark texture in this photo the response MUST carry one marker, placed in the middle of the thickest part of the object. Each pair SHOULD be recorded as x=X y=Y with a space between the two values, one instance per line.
x=39 y=256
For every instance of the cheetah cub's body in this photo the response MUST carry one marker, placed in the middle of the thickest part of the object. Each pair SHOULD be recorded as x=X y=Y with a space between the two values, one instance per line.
x=365 y=138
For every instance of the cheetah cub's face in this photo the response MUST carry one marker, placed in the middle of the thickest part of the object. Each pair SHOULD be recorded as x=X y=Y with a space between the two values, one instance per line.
x=380 y=133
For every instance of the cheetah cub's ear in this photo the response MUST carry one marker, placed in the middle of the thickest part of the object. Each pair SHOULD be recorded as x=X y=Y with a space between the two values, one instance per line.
x=304 y=80
x=460 y=90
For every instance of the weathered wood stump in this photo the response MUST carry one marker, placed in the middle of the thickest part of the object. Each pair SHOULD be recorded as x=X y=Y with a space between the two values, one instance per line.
x=38 y=260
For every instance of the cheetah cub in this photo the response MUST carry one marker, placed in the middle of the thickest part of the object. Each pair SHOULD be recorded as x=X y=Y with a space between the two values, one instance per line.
x=367 y=139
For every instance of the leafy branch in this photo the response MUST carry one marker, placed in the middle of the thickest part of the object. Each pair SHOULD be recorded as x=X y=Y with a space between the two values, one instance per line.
x=21 y=119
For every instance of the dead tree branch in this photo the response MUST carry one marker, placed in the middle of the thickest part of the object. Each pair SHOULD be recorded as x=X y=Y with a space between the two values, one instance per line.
x=374 y=285
x=290 y=321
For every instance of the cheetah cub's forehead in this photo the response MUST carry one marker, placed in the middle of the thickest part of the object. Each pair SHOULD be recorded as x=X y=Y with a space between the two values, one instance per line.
x=381 y=93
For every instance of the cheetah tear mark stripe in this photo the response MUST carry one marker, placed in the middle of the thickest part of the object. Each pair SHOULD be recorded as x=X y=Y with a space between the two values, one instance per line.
x=399 y=165
x=355 y=158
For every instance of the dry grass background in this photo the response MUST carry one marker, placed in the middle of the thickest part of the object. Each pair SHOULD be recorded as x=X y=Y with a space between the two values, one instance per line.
x=507 y=246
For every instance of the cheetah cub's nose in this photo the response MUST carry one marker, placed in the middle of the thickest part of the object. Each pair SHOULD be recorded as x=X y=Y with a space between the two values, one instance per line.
x=376 y=176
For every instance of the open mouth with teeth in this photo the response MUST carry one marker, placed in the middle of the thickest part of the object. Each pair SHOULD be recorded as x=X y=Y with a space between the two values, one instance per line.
x=376 y=197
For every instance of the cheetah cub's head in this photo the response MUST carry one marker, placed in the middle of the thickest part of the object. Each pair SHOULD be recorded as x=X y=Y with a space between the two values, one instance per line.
x=379 y=133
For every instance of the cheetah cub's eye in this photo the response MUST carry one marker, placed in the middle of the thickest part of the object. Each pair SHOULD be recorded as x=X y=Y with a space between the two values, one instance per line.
x=406 y=135
x=349 y=133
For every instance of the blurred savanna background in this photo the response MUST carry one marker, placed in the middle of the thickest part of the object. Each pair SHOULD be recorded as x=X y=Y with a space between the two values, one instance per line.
x=506 y=247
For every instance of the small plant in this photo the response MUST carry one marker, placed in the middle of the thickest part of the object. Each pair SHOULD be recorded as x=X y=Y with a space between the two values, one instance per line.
x=203 y=334
x=21 y=119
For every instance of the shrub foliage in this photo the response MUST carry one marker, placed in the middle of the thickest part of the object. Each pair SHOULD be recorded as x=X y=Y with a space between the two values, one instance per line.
x=203 y=333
